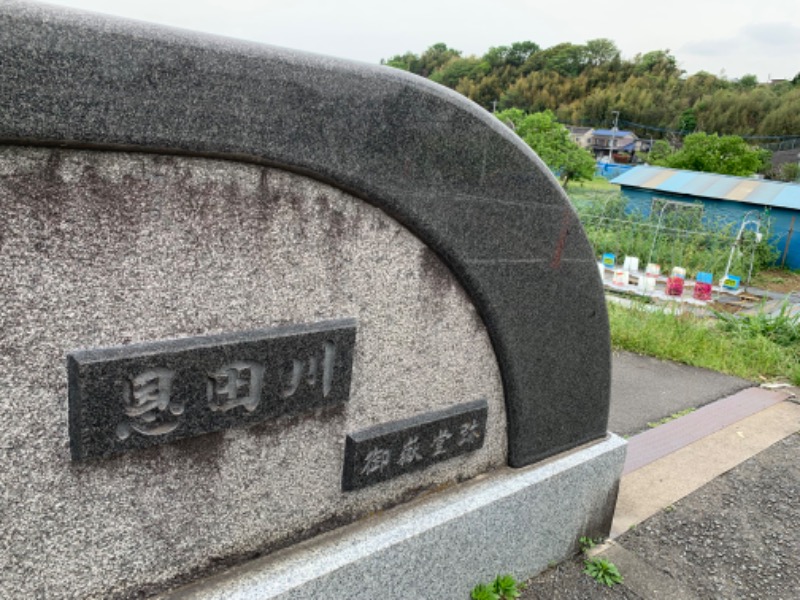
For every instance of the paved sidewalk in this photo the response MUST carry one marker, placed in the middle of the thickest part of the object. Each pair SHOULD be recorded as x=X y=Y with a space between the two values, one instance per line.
x=711 y=505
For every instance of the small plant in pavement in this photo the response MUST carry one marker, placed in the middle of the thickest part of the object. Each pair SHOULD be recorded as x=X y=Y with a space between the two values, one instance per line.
x=672 y=417
x=504 y=587
x=483 y=592
x=603 y=571
x=586 y=544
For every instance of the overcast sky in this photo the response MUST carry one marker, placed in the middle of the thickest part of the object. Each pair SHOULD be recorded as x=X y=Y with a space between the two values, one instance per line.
x=761 y=37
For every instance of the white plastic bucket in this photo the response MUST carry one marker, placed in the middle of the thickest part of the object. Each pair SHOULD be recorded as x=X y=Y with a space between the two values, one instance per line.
x=647 y=283
x=653 y=269
x=631 y=264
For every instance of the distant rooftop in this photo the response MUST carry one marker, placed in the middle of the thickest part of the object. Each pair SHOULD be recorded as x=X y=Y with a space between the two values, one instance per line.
x=713 y=186
x=610 y=132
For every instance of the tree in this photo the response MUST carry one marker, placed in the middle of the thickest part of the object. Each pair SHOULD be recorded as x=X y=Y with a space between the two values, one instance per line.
x=457 y=69
x=515 y=55
x=566 y=59
x=687 y=122
x=407 y=62
x=659 y=153
x=727 y=155
x=551 y=141
x=601 y=51
x=520 y=52
x=581 y=84
x=784 y=119
x=435 y=57
x=657 y=62
x=747 y=82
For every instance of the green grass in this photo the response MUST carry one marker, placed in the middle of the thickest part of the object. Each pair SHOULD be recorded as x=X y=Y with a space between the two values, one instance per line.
x=702 y=343
x=782 y=328
x=597 y=184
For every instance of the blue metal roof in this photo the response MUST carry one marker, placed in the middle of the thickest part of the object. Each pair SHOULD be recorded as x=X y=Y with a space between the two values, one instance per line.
x=713 y=186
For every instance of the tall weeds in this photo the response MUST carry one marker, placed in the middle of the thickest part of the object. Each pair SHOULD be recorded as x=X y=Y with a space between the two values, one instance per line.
x=761 y=346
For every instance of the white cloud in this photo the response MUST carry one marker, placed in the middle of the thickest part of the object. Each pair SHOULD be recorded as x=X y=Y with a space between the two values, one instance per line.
x=780 y=36
x=768 y=49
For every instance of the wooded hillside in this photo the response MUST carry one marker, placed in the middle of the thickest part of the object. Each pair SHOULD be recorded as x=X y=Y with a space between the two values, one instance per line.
x=582 y=84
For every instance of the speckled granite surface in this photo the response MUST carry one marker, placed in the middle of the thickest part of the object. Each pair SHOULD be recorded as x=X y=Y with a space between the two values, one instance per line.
x=265 y=187
x=446 y=169
x=105 y=249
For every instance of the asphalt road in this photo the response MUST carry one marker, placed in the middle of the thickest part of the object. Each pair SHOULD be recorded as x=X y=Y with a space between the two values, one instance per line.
x=645 y=389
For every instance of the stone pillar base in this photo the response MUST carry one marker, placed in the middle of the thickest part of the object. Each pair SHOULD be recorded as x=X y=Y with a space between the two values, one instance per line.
x=514 y=521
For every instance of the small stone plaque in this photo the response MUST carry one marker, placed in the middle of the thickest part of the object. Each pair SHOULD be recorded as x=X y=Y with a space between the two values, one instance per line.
x=142 y=395
x=387 y=451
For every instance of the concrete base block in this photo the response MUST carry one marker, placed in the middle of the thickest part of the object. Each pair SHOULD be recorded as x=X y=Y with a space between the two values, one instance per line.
x=513 y=521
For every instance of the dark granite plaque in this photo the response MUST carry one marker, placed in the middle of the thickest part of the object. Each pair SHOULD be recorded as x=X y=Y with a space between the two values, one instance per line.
x=386 y=451
x=149 y=394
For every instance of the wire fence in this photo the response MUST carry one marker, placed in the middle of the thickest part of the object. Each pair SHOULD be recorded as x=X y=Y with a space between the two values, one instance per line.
x=672 y=238
x=788 y=144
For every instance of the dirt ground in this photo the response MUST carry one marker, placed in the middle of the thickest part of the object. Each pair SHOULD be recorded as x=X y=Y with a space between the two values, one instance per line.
x=779 y=281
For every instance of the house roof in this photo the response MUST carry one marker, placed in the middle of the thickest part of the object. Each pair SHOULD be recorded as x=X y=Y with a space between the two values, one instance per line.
x=611 y=132
x=579 y=130
x=712 y=186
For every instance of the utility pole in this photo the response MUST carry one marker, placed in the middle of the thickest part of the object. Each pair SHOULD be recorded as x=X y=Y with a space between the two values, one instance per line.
x=614 y=130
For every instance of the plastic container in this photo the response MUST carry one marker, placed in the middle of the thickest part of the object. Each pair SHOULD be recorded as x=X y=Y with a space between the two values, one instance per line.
x=653 y=269
x=609 y=260
x=620 y=277
x=674 y=286
x=631 y=264
x=702 y=291
x=730 y=282
x=679 y=272
x=703 y=277
x=647 y=283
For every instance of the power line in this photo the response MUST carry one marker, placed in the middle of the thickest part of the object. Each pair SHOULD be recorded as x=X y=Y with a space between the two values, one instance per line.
x=684 y=132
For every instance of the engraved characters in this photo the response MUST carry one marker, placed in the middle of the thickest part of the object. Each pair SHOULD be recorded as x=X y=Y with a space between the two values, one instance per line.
x=150 y=409
x=410 y=452
x=439 y=441
x=146 y=401
x=376 y=461
x=389 y=455
x=469 y=432
x=236 y=384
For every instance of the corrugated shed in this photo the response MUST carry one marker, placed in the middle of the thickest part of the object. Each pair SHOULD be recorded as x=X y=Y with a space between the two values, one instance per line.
x=713 y=186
